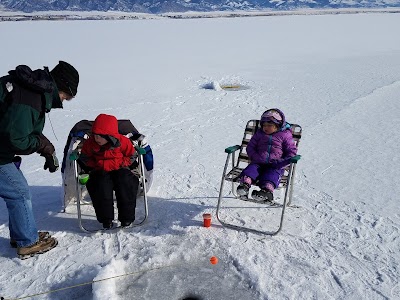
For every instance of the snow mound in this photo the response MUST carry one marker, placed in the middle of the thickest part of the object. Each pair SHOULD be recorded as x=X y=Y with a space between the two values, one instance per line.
x=104 y=285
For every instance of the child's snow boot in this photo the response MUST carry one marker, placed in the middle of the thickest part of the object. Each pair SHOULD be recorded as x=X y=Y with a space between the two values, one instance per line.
x=125 y=223
x=244 y=186
x=108 y=225
x=263 y=195
x=243 y=189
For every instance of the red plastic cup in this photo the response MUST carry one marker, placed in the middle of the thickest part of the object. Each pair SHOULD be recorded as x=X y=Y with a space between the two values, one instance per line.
x=206 y=220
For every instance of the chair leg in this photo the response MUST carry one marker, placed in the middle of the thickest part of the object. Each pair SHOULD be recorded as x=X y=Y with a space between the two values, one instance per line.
x=234 y=193
x=288 y=194
x=78 y=199
x=291 y=185
x=222 y=188
x=146 y=207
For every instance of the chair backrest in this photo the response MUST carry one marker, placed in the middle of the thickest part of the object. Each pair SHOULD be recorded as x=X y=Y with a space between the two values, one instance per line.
x=83 y=128
x=251 y=128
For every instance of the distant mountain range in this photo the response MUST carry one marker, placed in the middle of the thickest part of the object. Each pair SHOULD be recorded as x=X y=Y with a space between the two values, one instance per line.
x=163 y=6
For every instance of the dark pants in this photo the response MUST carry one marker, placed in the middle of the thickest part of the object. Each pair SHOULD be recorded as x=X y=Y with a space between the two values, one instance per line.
x=101 y=185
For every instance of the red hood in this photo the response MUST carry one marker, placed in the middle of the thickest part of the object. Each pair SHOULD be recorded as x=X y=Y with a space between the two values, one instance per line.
x=105 y=125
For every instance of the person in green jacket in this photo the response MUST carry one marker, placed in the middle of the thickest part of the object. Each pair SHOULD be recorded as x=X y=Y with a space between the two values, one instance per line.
x=25 y=97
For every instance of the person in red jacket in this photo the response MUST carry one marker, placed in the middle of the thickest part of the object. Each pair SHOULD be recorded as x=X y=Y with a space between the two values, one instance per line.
x=108 y=155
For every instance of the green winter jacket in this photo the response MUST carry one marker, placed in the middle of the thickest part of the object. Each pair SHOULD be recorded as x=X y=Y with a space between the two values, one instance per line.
x=25 y=97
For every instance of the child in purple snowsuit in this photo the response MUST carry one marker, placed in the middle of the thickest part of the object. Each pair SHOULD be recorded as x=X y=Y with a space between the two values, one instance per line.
x=269 y=151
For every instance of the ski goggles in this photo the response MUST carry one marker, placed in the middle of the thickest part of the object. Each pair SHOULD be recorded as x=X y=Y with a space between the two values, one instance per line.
x=272 y=116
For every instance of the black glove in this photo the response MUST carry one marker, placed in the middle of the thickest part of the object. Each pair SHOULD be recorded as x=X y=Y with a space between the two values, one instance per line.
x=45 y=147
x=51 y=162
x=84 y=167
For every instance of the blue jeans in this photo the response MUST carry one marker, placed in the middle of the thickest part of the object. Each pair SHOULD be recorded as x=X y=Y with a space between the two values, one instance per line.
x=14 y=190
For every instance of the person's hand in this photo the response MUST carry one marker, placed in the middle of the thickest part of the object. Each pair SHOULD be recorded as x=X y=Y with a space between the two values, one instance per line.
x=51 y=162
x=45 y=147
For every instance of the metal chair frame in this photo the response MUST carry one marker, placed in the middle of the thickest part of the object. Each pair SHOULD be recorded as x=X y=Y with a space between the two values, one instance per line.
x=79 y=186
x=241 y=161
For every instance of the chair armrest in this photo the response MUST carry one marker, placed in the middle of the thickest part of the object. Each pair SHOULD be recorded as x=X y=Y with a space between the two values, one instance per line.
x=232 y=149
x=140 y=150
x=295 y=159
x=74 y=155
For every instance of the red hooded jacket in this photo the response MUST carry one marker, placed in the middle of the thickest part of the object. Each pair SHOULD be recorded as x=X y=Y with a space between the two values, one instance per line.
x=112 y=156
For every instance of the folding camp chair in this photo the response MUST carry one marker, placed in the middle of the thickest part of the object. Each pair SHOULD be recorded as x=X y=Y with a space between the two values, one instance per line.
x=242 y=160
x=71 y=168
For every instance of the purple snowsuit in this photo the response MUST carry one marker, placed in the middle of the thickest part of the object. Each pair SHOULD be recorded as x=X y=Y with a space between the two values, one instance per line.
x=269 y=154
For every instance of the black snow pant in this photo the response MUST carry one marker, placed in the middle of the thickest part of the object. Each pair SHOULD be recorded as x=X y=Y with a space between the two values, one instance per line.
x=101 y=185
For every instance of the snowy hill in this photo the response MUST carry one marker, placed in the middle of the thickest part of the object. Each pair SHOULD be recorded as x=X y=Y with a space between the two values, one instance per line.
x=155 y=6
x=335 y=75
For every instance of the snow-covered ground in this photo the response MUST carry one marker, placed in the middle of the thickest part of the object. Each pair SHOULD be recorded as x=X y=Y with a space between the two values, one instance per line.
x=337 y=76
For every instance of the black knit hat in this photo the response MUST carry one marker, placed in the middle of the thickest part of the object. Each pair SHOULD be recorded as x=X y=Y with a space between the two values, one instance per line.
x=66 y=78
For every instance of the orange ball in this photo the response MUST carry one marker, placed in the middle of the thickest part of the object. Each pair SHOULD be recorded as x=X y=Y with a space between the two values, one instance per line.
x=213 y=260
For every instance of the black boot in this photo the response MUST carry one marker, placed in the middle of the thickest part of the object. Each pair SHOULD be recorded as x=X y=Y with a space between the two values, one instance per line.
x=263 y=195
x=108 y=225
x=243 y=189
x=125 y=223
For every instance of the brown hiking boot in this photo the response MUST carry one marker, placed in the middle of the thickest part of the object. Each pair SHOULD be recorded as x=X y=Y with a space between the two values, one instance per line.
x=37 y=248
x=42 y=235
